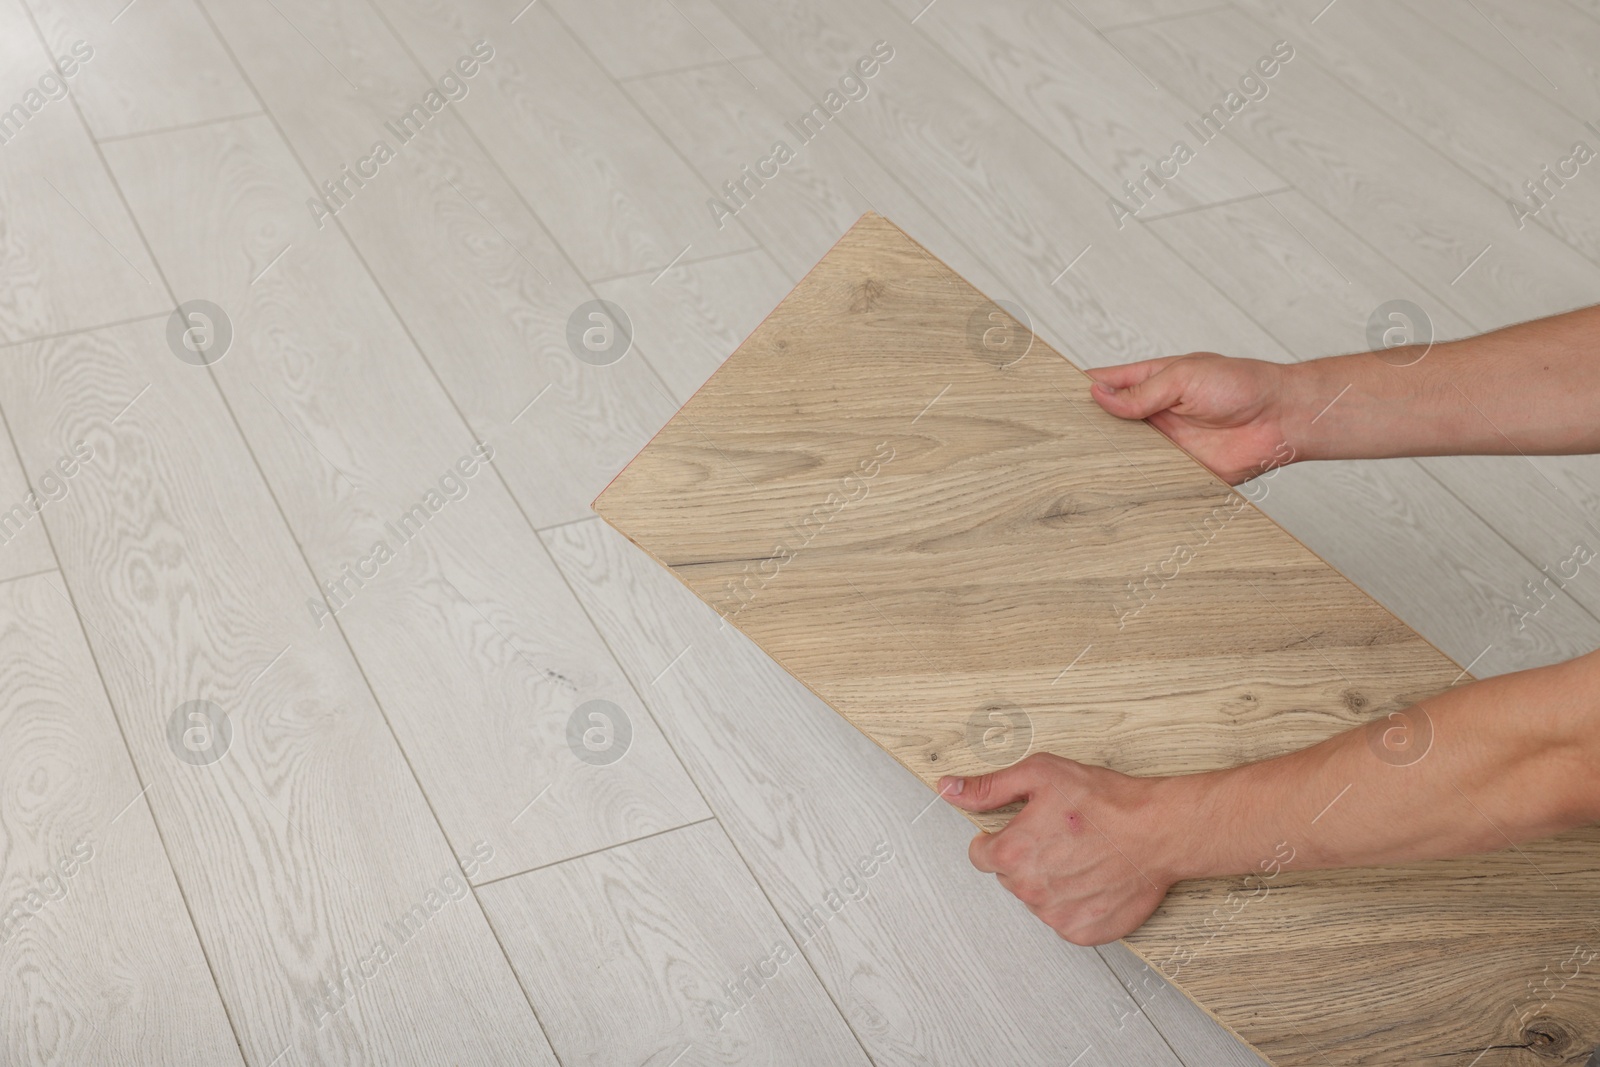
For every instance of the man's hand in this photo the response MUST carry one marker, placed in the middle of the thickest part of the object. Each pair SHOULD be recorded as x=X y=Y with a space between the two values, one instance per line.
x=1086 y=852
x=1230 y=414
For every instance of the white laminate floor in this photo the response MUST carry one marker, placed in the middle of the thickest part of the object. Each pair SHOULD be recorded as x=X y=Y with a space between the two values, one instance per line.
x=334 y=728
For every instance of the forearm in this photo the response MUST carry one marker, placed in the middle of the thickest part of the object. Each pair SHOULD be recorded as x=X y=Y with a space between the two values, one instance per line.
x=1511 y=760
x=1529 y=388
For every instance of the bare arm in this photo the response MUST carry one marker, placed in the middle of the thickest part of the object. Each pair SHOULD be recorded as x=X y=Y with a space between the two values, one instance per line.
x=1477 y=768
x=1529 y=388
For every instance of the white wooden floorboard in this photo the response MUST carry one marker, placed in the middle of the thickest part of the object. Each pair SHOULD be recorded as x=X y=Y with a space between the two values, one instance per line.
x=24 y=549
x=69 y=255
x=924 y=964
x=655 y=35
x=473 y=272
x=298 y=834
x=693 y=317
x=99 y=963
x=155 y=64
x=725 y=118
x=619 y=199
x=1441 y=225
x=697 y=968
x=1425 y=80
x=472 y=641
x=1105 y=114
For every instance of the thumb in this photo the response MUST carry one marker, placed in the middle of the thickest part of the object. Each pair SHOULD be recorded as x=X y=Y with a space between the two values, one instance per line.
x=994 y=790
x=1142 y=399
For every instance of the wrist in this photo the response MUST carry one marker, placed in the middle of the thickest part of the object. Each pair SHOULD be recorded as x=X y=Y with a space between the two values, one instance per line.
x=1195 y=837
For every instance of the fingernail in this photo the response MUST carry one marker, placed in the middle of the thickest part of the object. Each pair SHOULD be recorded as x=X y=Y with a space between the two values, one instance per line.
x=1106 y=388
x=951 y=786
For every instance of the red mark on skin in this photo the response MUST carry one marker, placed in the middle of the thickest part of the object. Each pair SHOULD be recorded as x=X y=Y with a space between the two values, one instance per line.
x=1073 y=821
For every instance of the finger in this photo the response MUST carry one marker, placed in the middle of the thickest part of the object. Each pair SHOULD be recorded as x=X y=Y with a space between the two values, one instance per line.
x=1126 y=374
x=994 y=790
x=1158 y=392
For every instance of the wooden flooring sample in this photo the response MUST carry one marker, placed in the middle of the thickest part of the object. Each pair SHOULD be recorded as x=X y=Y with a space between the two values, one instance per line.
x=915 y=507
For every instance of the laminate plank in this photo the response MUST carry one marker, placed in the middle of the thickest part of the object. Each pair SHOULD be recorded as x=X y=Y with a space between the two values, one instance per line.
x=1025 y=212
x=462 y=609
x=100 y=962
x=1543 y=45
x=657 y=35
x=1194 y=1035
x=305 y=837
x=616 y=198
x=1437 y=223
x=925 y=963
x=725 y=120
x=23 y=546
x=479 y=283
x=1101 y=111
x=698 y=964
x=950 y=576
x=69 y=255
x=1426 y=80
x=155 y=64
x=694 y=315
x=1315 y=286
x=1106 y=14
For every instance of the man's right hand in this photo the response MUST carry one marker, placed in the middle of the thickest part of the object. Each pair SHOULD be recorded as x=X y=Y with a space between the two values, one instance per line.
x=1228 y=413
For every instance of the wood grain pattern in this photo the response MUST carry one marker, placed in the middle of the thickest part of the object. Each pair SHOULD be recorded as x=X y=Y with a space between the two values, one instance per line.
x=1426 y=556
x=691 y=318
x=1362 y=167
x=79 y=858
x=804 y=796
x=1104 y=113
x=1425 y=79
x=69 y=255
x=697 y=969
x=647 y=38
x=307 y=835
x=481 y=286
x=614 y=195
x=470 y=614
x=942 y=548
x=156 y=65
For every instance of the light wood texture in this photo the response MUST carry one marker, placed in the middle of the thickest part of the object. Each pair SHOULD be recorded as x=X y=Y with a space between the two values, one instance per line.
x=631 y=40
x=69 y=255
x=1314 y=285
x=1342 y=152
x=24 y=549
x=697 y=969
x=482 y=288
x=924 y=537
x=804 y=796
x=155 y=64
x=691 y=318
x=614 y=195
x=1105 y=114
x=100 y=963
x=470 y=614
x=308 y=835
